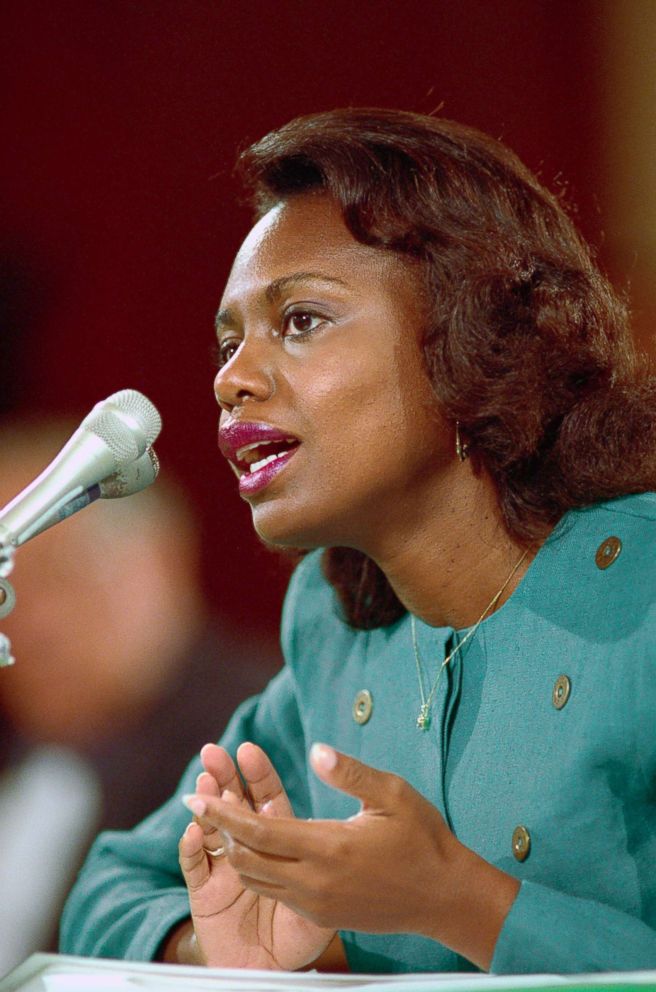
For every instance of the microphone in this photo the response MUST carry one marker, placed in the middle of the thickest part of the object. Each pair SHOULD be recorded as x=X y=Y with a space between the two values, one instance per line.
x=109 y=452
x=125 y=481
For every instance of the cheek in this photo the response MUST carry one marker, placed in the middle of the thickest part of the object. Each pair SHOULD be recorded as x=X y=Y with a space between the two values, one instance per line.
x=358 y=387
x=365 y=421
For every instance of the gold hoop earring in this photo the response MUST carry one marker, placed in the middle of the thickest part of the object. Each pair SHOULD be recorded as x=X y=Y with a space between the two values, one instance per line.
x=462 y=448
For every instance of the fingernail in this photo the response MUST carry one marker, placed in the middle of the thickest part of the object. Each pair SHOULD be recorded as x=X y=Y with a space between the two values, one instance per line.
x=323 y=757
x=195 y=804
x=267 y=809
x=229 y=797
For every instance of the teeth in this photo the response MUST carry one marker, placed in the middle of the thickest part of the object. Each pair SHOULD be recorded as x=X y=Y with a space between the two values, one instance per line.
x=242 y=454
x=256 y=466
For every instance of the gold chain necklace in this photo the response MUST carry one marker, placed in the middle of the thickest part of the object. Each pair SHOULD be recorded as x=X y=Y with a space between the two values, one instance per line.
x=423 y=717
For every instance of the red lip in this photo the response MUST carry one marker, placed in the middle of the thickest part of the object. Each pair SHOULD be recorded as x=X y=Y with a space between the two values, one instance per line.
x=253 y=482
x=236 y=435
x=245 y=445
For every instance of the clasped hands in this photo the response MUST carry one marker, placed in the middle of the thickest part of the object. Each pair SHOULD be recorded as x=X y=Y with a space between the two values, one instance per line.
x=284 y=886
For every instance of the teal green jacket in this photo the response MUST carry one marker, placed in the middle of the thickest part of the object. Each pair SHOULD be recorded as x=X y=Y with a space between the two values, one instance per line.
x=579 y=778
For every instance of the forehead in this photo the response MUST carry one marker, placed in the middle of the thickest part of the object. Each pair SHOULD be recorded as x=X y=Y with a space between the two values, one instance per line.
x=306 y=233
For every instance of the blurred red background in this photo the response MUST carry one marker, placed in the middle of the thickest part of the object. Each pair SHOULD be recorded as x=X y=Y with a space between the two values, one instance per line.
x=120 y=215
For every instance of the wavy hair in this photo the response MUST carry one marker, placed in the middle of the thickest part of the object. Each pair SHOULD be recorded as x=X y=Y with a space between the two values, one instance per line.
x=526 y=344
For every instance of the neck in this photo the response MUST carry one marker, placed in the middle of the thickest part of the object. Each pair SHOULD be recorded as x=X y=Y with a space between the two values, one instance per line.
x=446 y=565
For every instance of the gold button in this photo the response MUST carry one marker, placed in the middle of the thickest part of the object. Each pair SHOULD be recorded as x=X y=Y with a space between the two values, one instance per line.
x=363 y=705
x=521 y=843
x=561 y=690
x=608 y=551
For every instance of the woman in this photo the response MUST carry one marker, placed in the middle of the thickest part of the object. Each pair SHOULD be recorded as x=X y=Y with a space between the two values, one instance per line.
x=422 y=371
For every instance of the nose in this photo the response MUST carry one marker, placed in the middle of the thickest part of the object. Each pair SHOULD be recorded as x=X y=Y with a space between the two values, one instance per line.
x=247 y=376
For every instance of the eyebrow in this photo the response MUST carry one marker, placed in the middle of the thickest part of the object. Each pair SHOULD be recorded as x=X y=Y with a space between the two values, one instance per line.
x=226 y=318
x=278 y=286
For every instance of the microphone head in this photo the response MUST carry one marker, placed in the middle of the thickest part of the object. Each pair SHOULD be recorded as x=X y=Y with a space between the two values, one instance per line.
x=138 y=406
x=127 y=422
x=119 y=437
x=110 y=446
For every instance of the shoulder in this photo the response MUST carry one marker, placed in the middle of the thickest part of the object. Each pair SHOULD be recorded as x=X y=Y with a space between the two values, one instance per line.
x=597 y=570
x=628 y=517
x=639 y=508
x=628 y=524
x=623 y=539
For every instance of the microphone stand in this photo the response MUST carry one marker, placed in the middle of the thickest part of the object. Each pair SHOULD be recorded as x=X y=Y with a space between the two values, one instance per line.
x=63 y=509
x=7 y=600
x=127 y=479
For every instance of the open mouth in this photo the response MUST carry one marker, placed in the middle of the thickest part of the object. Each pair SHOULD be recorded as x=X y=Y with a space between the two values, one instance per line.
x=253 y=457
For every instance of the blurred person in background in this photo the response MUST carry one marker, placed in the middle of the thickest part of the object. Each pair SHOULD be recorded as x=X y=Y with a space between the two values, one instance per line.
x=120 y=674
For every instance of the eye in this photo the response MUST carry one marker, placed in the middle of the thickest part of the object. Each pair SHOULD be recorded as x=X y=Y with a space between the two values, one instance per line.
x=301 y=323
x=225 y=350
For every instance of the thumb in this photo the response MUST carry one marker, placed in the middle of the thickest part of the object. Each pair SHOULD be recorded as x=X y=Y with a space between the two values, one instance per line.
x=375 y=789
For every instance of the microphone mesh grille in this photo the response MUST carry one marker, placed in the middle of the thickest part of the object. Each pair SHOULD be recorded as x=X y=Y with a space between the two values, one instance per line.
x=139 y=407
x=112 y=430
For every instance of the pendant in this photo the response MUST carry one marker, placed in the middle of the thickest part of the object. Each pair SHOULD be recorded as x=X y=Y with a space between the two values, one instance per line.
x=423 y=720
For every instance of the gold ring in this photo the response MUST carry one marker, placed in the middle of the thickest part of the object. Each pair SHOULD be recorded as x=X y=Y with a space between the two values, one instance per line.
x=218 y=852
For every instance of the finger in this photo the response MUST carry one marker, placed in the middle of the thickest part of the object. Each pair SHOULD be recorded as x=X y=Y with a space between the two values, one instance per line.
x=218 y=763
x=206 y=785
x=285 y=837
x=267 y=873
x=262 y=781
x=378 y=791
x=193 y=858
x=256 y=866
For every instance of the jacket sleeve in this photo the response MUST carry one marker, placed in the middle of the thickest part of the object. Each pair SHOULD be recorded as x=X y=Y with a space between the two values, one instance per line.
x=548 y=931
x=130 y=892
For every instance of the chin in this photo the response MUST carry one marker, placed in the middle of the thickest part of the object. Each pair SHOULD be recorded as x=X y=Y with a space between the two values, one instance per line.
x=284 y=539
x=291 y=530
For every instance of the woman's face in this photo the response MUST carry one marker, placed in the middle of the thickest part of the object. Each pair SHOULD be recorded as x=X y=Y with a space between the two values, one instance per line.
x=327 y=415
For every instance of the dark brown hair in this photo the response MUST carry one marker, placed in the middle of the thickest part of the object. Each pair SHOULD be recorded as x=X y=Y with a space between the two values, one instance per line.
x=526 y=344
